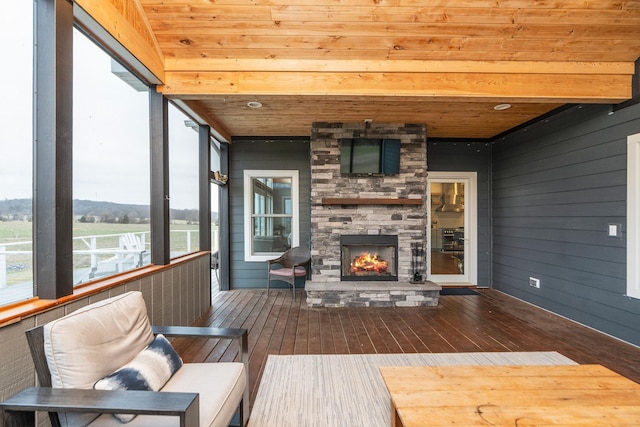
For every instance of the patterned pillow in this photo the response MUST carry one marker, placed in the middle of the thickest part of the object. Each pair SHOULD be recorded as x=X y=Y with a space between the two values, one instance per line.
x=150 y=370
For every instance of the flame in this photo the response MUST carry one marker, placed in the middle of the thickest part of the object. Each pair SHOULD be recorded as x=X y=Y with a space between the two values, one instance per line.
x=369 y=262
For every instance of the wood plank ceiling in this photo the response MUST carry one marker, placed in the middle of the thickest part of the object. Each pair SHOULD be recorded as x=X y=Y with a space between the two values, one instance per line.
x=445 y=63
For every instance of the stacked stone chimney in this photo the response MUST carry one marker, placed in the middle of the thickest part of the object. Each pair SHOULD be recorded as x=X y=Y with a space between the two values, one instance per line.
x=329 y=221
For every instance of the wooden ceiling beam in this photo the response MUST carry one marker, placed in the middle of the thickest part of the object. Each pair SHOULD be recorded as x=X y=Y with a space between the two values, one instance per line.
x=127 y=23
x=566 y=88
x=178 y=28
x=401 y=65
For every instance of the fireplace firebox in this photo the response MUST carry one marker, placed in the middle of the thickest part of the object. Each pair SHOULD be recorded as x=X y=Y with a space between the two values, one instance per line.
x=369 y=257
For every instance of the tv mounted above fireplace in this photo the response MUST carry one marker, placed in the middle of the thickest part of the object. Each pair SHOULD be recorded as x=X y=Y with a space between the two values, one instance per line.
x=368 y=156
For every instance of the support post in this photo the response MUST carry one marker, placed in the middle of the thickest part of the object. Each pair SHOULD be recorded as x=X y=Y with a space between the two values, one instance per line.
x=52 y=194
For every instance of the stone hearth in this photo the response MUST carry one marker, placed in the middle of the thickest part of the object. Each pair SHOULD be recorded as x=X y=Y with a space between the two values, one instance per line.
x=372 y=294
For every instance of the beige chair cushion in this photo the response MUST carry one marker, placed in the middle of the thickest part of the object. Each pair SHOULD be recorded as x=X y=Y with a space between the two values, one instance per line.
x=220 y=386
x=94 y=341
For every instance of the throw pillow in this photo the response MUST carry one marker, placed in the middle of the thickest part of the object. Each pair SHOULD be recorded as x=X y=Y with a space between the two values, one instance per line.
x=150 y=370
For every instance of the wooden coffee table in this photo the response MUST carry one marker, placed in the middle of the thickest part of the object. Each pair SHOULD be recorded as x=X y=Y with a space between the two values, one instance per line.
x=576 y=395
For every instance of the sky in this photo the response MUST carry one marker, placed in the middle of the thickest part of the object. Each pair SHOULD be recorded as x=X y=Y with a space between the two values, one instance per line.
x=111 y=137
x=15 y=110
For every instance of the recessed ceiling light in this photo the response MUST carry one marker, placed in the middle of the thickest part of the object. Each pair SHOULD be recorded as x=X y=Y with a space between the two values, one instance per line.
x=254 y=104
x=501 y=107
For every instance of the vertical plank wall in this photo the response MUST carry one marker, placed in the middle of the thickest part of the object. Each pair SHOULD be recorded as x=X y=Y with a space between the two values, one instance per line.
x=556 y=186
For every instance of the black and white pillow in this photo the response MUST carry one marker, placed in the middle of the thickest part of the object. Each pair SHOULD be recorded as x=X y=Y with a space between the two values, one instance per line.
x=150 y=370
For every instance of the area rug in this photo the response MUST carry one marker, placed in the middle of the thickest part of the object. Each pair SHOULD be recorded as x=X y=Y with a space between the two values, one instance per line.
x=458 y=291
x=339 y=390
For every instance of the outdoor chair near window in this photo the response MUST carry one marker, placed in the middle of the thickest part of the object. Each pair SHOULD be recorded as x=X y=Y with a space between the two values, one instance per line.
x=291 y=264
x=136 y=248
x=104 y=364
x=129 y=254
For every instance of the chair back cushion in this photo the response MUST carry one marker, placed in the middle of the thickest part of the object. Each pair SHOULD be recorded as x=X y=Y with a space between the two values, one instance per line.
x=96 y=340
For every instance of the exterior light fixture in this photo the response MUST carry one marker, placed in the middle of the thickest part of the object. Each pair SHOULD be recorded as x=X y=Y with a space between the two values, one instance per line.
x=501 y=107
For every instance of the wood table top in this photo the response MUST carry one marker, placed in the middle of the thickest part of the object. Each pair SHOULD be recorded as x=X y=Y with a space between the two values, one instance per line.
x=570 y=395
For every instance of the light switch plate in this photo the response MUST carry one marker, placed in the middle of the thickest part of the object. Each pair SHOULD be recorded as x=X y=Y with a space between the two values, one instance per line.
x=615 y=230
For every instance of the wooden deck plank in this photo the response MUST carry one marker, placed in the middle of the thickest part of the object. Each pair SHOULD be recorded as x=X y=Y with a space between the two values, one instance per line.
x=426 y=325
x=490 y=321
x=314 y=340
x=290 y=333
x=339 y=338
x=362 y=335
x=326 y=334
x=302 y=334
x=263 y=332
x=381 y=344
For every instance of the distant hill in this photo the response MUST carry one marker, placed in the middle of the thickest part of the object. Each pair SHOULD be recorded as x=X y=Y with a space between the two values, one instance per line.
x=101 y=209
x=20 y=209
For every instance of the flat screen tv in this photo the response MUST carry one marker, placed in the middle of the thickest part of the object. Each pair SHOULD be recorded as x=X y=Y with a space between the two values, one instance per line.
x=368 y=156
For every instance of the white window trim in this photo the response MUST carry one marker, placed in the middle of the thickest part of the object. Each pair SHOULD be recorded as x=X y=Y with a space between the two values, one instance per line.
x=248 y=203
x=633 y=212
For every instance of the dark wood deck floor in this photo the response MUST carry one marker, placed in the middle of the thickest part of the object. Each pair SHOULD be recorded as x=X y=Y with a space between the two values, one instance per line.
x=491 y=321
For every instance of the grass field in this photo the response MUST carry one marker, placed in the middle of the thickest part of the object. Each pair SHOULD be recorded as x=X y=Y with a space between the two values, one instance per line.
x=184 y=238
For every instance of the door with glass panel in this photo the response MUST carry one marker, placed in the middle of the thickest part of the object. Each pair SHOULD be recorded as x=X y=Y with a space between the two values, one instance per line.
x=452 y=246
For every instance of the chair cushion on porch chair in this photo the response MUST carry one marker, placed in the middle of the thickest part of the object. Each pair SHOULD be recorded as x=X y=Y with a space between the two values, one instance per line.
x=286 y=272
x=216 y=383
x=94 y=341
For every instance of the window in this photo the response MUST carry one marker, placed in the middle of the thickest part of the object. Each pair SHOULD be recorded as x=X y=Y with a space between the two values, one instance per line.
x=16 y=146
x=633 y=213
x=271 y=213
x=184 y=187
x=215 y=197
x=111 y=175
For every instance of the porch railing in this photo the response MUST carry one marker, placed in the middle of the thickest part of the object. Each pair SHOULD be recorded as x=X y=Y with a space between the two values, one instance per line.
x=117 y=251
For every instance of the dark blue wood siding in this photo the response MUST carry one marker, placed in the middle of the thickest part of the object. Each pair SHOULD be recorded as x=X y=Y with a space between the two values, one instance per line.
x=447 y=156
x=263 y=154
x=556 y=187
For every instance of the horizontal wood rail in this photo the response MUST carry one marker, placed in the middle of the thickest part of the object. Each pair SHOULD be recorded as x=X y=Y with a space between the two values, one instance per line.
x=370 y=201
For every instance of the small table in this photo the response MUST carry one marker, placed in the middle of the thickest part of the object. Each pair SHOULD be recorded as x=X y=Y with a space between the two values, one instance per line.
x=577 y=395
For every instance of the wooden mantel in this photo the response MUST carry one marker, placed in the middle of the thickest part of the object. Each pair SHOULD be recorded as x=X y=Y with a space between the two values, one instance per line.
x=369 y=201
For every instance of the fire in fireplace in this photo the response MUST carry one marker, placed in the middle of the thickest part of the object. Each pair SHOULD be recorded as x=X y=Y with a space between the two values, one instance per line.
x=369 y=257
x=367 y=262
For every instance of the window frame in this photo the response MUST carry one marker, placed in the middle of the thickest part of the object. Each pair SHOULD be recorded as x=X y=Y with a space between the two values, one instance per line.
x=202 y=182
x=138 y=90
x=633 y=211
x=249 y=176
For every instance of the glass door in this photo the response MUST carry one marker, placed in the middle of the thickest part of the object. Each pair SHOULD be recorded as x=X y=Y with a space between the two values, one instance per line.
x=452 y=215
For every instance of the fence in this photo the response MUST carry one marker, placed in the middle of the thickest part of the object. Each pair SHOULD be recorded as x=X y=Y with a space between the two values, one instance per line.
x=96 y=255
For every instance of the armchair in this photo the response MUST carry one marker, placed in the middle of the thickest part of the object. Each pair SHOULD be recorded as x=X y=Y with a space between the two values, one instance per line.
x=293 y=262
x=73 y=353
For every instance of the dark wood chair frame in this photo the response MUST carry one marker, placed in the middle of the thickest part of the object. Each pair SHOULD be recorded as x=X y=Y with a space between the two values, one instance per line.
x=20 y=409
x=298 y=256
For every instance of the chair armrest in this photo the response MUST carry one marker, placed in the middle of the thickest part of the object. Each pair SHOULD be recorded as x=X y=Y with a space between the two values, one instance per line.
x=199 y=332
x=204 y=332
x=225 y=333
x=274 y=261
x=20 y=409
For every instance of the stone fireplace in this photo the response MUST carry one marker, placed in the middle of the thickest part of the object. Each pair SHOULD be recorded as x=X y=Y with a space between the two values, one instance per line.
x=376 y=206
